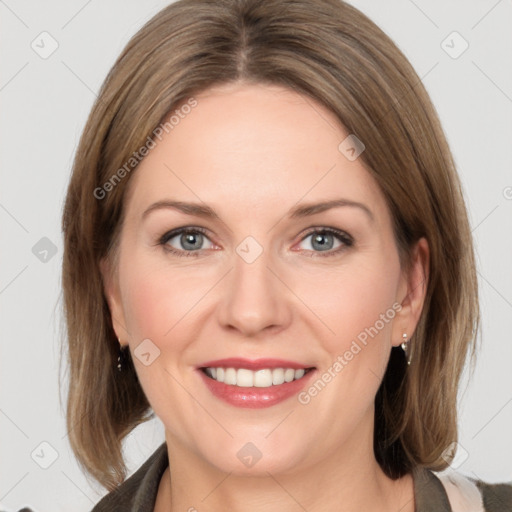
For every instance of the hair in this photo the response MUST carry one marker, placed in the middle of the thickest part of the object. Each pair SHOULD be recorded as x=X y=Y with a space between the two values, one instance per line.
x=330 y=52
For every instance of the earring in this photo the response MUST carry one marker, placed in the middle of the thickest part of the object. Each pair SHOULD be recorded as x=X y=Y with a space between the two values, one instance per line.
x=405 y=348
x=120 y=357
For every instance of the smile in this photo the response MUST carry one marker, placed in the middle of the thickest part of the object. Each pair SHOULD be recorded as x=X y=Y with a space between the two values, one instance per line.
x=255 y=384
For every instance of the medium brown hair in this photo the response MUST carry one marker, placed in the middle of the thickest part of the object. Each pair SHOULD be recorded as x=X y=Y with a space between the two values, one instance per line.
x=333 y=54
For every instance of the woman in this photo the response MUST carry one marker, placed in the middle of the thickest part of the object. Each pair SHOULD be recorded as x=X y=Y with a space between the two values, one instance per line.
x=266 y=245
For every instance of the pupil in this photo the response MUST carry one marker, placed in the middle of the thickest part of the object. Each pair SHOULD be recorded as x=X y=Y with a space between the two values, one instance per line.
x=189 y=239
x=321 y=240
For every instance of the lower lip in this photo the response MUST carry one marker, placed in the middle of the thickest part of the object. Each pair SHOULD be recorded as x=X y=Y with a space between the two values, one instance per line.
x=255 y=398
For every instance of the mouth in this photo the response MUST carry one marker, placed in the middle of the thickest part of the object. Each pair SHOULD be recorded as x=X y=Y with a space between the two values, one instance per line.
x=255 y=384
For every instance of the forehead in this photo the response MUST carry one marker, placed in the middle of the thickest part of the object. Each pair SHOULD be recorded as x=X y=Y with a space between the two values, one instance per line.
x=254 y=148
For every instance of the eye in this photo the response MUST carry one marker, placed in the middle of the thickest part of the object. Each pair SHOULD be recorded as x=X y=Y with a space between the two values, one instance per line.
x=189 y=241
x=185 y=241
x=325 y=239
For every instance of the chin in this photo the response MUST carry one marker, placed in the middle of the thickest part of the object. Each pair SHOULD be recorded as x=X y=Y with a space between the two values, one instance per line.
x=255 y=458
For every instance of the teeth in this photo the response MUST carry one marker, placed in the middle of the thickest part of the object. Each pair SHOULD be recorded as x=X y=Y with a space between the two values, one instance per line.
x=244 y=378
x=289 y=375
x=230 y=376
x=260 y=379
x=277 y=376
x=263 y=378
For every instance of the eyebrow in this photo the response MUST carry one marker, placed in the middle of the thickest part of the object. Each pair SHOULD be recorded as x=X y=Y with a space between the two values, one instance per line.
x=305 y=210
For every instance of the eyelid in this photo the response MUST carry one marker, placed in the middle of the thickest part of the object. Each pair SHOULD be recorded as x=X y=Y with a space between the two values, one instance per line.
x=179 y=231
x=325 y=229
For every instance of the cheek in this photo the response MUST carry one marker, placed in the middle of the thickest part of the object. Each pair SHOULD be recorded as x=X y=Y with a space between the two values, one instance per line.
x=158 y=303
x=157 y=298
x=145 y=304
x=357 y=306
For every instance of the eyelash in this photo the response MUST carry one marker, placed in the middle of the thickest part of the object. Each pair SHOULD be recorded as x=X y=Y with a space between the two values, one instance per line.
x=342 y=236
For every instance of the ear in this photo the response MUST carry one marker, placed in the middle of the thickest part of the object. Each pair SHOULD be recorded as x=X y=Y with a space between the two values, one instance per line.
x=113 y=296
x=411 y=292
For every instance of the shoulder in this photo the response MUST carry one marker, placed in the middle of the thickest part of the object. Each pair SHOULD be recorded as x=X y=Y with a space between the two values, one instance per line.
x=138 y=492
x=496 y=497
x=468 y=494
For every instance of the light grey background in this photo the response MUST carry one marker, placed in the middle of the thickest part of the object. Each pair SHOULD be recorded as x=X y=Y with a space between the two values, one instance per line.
x=44 y=104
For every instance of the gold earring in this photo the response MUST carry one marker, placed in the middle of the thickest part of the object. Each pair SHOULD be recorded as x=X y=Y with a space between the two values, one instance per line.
x=405 y=348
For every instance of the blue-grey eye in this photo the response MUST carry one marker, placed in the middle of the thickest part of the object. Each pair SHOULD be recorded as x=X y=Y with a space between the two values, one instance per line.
x=325 y=240
x=186 y=240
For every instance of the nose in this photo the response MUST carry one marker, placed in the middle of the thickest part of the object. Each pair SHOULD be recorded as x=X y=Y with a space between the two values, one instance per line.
x=254 y=298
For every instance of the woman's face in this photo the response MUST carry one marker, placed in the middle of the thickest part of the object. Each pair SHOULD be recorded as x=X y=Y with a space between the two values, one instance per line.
x=265 y=283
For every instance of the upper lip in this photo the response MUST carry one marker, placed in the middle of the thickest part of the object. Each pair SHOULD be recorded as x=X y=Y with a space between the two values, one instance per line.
x=253 y=364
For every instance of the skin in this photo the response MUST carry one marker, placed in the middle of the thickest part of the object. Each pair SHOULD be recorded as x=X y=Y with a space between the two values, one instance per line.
x=253 y=152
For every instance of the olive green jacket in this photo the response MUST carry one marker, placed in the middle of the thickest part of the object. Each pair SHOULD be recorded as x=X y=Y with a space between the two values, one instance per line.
x=431 y=491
